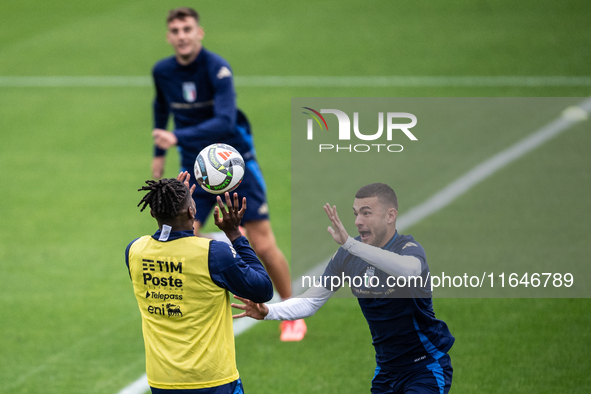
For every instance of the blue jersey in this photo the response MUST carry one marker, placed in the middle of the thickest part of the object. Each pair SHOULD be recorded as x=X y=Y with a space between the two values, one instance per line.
x=202 y=98
x=404 y=330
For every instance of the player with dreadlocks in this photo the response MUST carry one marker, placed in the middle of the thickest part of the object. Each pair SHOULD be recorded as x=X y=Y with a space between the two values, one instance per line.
x=165 y=197
x=182 y=284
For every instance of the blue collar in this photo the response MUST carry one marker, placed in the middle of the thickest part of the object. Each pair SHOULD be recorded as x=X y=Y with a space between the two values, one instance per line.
x=199 y=60
x=174 y=235
x=391 y=240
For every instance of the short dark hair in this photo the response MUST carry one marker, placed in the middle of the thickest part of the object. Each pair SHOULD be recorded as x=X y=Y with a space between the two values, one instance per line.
x=165 y=197
x=182 y=13
x=383 y=192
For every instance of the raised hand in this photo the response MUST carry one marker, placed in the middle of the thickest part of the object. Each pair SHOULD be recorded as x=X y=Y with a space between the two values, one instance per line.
x=337 y=230
x=229 y=223
x=164 y=139
x=251 y=309
x=185 y=177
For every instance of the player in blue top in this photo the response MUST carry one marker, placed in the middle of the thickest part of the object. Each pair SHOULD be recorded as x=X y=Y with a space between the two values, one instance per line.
x=411 y=344
x=196 y=87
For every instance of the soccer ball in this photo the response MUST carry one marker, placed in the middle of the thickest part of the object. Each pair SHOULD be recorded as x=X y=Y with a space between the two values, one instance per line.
x=219 y=168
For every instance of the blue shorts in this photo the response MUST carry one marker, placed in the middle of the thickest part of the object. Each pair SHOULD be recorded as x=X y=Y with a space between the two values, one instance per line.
x=234 y=387
x=252 y=187
x=434 y=378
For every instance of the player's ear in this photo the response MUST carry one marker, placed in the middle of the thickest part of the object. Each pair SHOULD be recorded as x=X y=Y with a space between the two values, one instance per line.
x=191 y=212
x=200 y=33
x=392 y=215
x=152 y=213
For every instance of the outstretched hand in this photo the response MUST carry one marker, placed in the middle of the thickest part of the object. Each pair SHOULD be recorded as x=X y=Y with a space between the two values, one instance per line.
x=164 y=139
x=251 y=309
x=229 y=223
x=337 y=230
x=185 y=177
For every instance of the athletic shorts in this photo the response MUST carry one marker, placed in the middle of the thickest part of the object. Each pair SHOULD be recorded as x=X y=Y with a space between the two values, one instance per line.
x=252 y=187
x=234 y=387
x=434 y=378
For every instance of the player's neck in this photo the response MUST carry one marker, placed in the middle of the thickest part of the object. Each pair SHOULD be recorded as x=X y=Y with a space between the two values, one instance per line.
x=388 y=237
x=178 y=226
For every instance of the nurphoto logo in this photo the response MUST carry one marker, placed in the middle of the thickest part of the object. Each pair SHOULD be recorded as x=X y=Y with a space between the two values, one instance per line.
x=344 y=130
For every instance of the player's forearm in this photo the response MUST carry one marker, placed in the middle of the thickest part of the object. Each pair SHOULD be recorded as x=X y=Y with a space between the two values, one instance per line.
x=249 y=279
x=256 y=284
x=293 y=309
x=389 y=262
x=301 y=307
x=160 y=120
x=249 y=282
x=238 y=272
x=160 y=108
x=247 y=254
x=159 y=152
x=221 y=127
x=161 y=115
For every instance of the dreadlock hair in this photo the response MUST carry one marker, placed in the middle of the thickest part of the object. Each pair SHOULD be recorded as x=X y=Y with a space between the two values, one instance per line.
x=165 y=197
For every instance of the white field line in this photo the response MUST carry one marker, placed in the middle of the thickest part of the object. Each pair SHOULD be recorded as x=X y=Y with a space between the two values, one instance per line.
x=310 y=81
x=440 y=200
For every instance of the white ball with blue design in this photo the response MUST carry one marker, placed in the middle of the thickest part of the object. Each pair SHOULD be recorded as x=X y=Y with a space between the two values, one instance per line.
x=219 y=168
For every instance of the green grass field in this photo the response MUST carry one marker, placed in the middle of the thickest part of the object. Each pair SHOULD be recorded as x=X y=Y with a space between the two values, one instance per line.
x=72 y=158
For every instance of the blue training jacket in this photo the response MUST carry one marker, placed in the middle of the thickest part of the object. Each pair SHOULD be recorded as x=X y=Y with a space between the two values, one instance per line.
x=202 y=99
x=404 y=330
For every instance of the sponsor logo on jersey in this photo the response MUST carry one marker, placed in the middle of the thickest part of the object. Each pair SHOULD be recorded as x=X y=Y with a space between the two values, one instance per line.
x=173 y=310
x=149 y=279
x=162 y=266
x=263 y=209
x=409 y=244
x=170 y=310
x=189 y=91
x=163 y=296
x=224 y=72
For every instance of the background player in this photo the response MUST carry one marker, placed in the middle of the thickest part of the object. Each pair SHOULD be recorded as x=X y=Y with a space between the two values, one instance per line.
x=411 y=344
x=181 y=284
x=196 y=86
